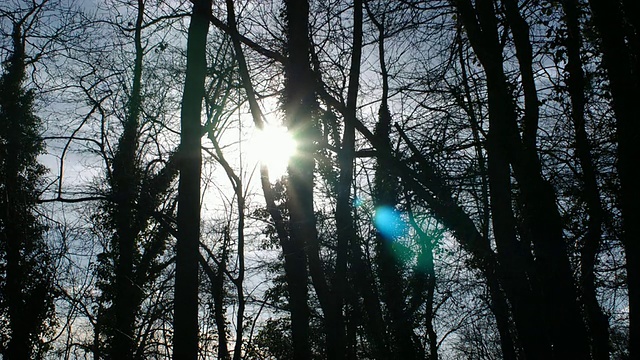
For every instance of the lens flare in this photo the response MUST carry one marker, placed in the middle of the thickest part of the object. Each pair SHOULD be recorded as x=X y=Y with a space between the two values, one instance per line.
x=389 y=223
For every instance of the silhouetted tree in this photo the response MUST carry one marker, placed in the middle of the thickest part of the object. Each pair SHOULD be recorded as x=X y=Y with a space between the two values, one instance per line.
x=299 y=101
x=618 y=26
x=185 y=340
x=26 y=276
x=132 y=261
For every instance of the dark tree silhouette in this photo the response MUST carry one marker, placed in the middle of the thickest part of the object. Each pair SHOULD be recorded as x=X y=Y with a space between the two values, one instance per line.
x=299 y=99
x=26 y=278
x=131 y=263
x=185 y=321
x=618 y=26
x=508 y=150
x=597 y=321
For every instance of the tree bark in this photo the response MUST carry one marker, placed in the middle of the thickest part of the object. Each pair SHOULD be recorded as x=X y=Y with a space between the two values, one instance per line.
x=294 y=257
x=218 y=293
x=423 y=283
x=499 y=305
x=524 y=53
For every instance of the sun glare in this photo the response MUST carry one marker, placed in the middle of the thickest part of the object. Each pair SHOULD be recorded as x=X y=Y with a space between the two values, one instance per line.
x=273 y=146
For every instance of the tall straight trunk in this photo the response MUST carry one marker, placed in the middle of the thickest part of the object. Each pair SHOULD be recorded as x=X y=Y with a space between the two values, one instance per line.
x=299 y=110
x=430 y=312
x=185 y=339
x=96 y=346
x=344 y=217
x=528 y=316
x=362 y=275
x=353 y=317
x=364 y=284
x=623 y=69
x=14 y=236
x=298 y=102
x=597 y=321
x=389 y=268
x=239 y=281
x=124 y=182
x=542 y=224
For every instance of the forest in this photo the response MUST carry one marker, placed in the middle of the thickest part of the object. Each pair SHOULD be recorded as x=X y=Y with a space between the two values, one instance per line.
x=319 y=179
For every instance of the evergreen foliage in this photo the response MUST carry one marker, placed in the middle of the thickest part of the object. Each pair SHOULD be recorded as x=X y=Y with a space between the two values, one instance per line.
x=26 y=278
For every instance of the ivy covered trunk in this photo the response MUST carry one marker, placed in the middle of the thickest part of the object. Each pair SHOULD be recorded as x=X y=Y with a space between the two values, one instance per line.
x=26 y=289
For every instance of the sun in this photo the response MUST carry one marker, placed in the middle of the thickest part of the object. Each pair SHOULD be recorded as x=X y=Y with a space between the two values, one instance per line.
x=272 y=146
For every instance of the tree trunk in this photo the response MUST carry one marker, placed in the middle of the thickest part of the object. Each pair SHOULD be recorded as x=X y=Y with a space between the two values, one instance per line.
x=623 y=69
x=597 y=321
x=423 y=283
x=344 y=217
x=294 y=256
x=385 y=196
x=124 y=184
x=185 y=339
x=499 y=304
x=218 y=293
x=25 y=286
x=542 y=222
x=299 y=99
x=524 y=53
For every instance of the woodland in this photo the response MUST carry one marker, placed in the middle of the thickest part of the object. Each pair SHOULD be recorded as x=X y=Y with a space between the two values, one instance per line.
x=319 y=179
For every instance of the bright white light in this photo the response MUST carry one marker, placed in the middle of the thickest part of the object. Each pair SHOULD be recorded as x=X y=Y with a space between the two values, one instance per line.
x=273 y=147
